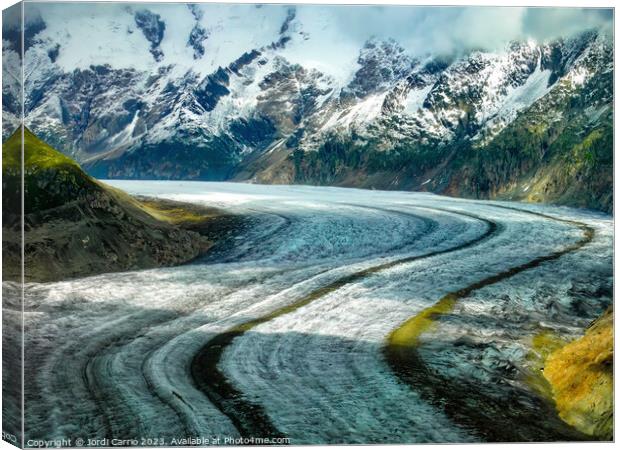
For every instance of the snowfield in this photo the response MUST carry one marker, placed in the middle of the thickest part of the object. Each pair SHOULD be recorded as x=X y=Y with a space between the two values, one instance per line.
x=111 y=356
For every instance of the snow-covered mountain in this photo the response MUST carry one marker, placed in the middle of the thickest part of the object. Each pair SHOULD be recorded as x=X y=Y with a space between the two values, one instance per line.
x=271 y=94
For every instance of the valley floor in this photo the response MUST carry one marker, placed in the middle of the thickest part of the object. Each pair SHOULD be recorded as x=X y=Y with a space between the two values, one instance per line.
x=281 y=329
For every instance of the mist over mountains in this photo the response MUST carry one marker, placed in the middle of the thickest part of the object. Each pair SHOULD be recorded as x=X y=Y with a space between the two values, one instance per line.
x=480 y=102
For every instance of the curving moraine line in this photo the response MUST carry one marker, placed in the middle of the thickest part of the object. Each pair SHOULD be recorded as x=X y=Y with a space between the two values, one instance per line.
x=492 y=419
x=100 y=386
x=112 y=405
x=249 y=418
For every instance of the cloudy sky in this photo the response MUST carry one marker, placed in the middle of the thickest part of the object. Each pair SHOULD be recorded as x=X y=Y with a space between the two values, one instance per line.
x=448 y=28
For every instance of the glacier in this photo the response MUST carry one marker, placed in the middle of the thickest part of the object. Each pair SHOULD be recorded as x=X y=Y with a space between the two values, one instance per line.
x=111 y=355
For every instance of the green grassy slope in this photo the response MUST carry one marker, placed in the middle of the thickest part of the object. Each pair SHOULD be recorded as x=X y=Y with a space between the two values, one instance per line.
x=50 y=178
x=76 y=225
x=37 y=155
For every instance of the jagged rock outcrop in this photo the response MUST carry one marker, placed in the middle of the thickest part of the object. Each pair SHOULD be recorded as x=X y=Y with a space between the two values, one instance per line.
x=153 y=28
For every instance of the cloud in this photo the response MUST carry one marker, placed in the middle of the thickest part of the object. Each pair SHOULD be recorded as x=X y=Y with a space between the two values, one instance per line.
x=454 y=29
x=548 y=23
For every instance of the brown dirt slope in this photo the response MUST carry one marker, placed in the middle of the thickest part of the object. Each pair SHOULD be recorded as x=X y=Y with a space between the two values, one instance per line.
x=77 y=226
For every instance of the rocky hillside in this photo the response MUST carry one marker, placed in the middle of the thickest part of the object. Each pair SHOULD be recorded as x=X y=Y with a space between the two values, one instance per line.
x=75 y=225
x=293 y=100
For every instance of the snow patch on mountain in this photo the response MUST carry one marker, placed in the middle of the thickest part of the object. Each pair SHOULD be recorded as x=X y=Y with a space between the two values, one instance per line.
x=415 y=99
x=517 y=98
x=317 y=43
x=361 y=113
x=86 y=38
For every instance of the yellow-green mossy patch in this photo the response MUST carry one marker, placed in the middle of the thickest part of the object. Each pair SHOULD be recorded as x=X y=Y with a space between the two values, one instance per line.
x=408 y=334
x=581 y=376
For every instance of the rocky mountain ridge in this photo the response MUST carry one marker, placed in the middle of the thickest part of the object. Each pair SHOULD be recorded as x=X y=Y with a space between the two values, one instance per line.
x=445 y=123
